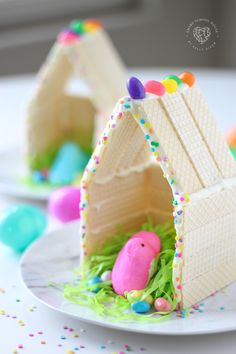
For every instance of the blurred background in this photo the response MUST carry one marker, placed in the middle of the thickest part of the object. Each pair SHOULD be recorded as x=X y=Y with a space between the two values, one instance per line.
x=146 y=33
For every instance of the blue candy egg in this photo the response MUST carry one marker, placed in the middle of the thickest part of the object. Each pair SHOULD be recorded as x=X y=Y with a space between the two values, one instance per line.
x=20 y=225
x=69 y=161
x=136 y=88
x=140 y=306
x=38 y=177
x=93 y=281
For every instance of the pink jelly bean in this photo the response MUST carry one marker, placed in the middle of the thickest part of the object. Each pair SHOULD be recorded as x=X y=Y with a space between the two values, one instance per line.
x=67 y=37
x=64 y=203
x=155 y=87
x=162 y=305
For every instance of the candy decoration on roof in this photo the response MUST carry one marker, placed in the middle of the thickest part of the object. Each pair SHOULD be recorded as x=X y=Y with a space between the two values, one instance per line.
x=187 y=78
x=171 y=85
x=155 y=87
x=92 y=25
x=135 y=88
x=67 y=36
x=77 y=29
x=231 y=140
x=174 y=77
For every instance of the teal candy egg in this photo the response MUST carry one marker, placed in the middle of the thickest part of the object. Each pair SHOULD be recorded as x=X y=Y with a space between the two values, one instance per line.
x=140 y=306
x=20 y=225
x=93 y=281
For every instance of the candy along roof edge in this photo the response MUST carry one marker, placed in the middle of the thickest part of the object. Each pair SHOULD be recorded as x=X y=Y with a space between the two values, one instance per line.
x=78 y=29
x=170 y=84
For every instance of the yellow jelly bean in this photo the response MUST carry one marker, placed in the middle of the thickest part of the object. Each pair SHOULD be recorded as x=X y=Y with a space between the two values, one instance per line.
x=170 y=85
x=149 y=299
x=136 y=294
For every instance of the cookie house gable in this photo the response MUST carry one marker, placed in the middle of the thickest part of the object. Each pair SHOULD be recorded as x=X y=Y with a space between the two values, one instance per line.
x=166 y=129
x=55 y=116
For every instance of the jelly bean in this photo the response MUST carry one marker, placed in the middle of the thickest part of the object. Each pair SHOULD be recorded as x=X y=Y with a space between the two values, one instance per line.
x=139 y=294
x=20 y=225
x=162 y=305
x=233 y=151
x=174 y=77
x=170 y=85
x=231 y=137
x=69 y=161
x=134 y=295
x=77 y=26
x=38 y=177
x=135 y=88
x=188 y=78
x=106 y=275
x=67 y=37
x=155 y=87
x=64 y=203
x=149 y=299
x=92 y=25
x=140 y=307
x=93 y=281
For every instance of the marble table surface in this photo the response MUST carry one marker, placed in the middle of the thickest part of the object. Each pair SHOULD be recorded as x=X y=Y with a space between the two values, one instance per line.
x=28 y=327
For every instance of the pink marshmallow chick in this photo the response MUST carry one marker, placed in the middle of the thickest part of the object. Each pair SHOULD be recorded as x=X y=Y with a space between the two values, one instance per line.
x=151 y=238
x=133 y=265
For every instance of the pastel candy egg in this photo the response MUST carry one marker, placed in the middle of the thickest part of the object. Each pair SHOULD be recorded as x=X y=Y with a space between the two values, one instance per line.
x=38 y=177
x=140 y=306
x=162 y=305
x=69 y=161
x=106 y=275
x=171 y=86
x=20 y=225
x=149 y=299
x=139 y=295
x=94 y=281
x=155 y=87
x=188 y=78
x=64 y=203
x=134 y=295
x=135 y=88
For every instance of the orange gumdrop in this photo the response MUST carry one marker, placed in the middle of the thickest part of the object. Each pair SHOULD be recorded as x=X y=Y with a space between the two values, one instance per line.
x=188 y=78
x=91 y=25
x=231 y=137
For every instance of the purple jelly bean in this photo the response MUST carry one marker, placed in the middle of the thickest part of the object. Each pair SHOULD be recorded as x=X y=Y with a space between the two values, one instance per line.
x=135 y=88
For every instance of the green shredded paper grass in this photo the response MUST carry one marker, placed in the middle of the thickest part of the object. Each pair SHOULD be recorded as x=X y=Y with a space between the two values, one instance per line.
x=106 y=302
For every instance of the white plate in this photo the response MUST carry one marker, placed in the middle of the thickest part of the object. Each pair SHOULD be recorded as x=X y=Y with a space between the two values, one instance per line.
x=55 y=255
x=12 y=172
